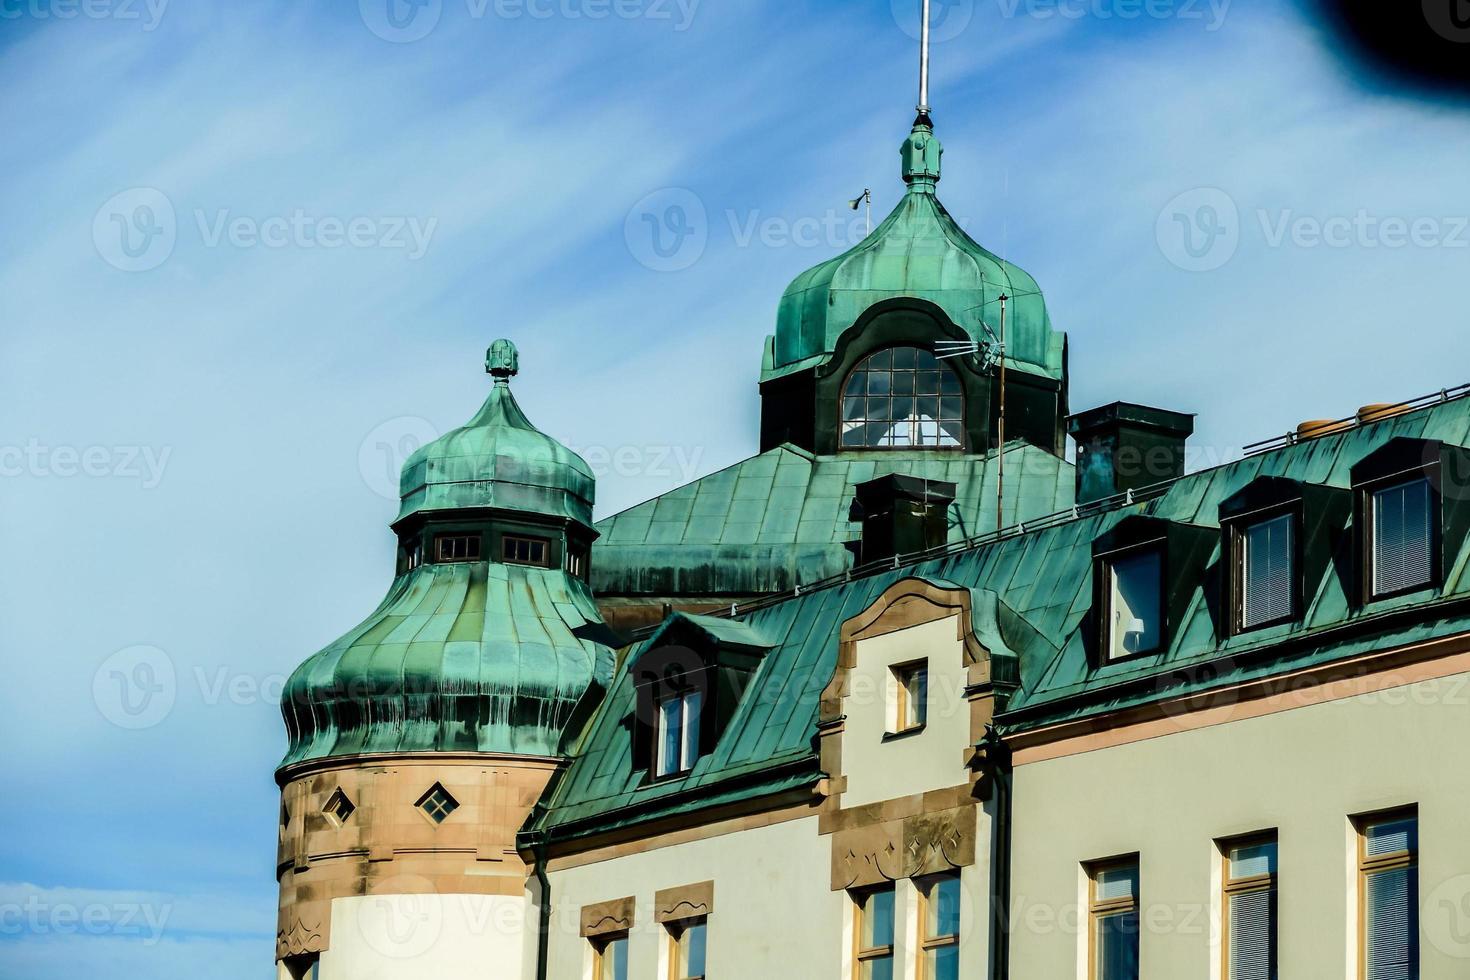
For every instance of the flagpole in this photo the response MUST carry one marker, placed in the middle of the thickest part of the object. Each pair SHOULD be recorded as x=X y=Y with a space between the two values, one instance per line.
x=924 y=60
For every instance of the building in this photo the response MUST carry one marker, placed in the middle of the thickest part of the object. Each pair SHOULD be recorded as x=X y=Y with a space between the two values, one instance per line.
x=1156 y=725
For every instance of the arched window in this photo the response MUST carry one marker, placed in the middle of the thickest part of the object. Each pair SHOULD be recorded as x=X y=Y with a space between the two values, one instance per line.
x=903 y=397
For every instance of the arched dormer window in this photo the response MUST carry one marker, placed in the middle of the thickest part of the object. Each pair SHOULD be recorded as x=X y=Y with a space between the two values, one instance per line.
x=903 y=398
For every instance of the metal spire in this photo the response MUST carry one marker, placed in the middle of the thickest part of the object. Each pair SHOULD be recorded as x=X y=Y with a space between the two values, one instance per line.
x=924 y=61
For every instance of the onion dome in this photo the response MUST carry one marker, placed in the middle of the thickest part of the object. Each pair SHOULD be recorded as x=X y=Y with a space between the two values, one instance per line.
x=488 y=639
x=918 y=251
x=499 y=459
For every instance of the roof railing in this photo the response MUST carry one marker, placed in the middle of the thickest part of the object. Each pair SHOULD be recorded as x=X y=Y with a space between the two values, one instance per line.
x=1073 y=513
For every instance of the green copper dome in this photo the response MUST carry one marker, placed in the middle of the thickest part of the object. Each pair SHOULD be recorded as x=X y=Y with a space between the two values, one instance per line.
x=475 y=650
x=499 y=460
x=918 y=251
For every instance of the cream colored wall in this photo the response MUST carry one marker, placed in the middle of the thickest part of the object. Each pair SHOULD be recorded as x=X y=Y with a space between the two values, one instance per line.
x=932 y=759
x=413 y=937
x=1301 y=772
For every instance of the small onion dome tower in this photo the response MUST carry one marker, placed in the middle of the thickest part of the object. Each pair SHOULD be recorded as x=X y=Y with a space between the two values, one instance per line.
x=420 y=740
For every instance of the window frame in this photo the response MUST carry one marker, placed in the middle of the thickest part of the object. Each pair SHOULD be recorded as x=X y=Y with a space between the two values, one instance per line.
x=601 y=968
x=440 y=540
x=939 y=420
x=689 y=754
x=676 y=931
x=449 y=805
x=1099 y=910
x=868 y=954
x=1230 y=887
x=1368 y=542
x=923 y=887
x=899 y=674
x=1103 y=574
x=1366 y=866
x=1236 y=529
x=509 y=541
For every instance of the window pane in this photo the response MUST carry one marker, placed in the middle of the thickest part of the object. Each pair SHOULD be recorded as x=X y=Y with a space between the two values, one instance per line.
x=943 y=964
x=690 y=951
x=889 y=416
x=881 y=969
x=670 y=736
x=1391 y=837
x=917 y=697
x=1253 y=935
x=1267 y=567
x=944 y=908
x=1117 y=947
x=1402 y=545
x=693 y=705
x=619 y=950
x=1391 y=921
x=1136 y=594
x=877 y=919
x=1116 y=883
x=1252 y=861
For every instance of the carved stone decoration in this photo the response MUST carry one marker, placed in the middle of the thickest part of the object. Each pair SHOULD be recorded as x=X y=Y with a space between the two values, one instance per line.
x=688 y=902
x=607 y=918
x=922 y=844
x=299 y=940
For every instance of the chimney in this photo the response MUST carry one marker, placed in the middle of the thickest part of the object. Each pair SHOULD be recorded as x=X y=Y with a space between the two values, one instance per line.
x=901 y=515
x=1123 y=447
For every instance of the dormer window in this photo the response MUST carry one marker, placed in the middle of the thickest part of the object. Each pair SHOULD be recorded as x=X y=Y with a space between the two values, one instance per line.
x=1402 y=535
x=520 y=550
x=451 y=548
x=678 y=733
x=1266 y=571
x=903 y=398
x=1134 y=614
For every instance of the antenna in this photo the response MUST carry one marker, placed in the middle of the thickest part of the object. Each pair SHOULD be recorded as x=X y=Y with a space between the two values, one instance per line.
x=924 y=60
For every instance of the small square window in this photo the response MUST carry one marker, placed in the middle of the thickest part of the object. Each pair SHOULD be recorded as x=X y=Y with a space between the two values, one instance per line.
x=1401 y=518
x=339 y=808
x=437 y=804
x=1266 y=572
x=1135 y=604
x=911 y=697
x=457 y=547
x=678 y=733
x=516 y=550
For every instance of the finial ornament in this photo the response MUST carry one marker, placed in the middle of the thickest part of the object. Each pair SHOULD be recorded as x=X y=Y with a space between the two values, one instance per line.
x=924 y=61
x=503 y=361
x=922 y=150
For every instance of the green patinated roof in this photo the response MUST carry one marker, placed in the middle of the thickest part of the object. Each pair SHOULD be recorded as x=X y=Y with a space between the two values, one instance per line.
x=781 y=518
x=918 y=251
x=499 y=459
x=1032 y=593
x=473 y=657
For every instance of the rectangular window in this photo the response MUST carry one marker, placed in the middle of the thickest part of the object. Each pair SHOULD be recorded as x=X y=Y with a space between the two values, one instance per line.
x=874 y=959
x=939 y=920
x=911 y=686
x=1388 y=895
x=1135 y=614
x=1249 y=909
x=678 y=733
x=1113 y=920
x=611 y=958
x=1402 y=520
x=515 y=550
x=687 y=941
x=457 y=547
x=1266 y=572
x=576 y=562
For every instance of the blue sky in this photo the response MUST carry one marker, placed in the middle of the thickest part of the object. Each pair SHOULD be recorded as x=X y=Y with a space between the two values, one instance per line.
x=199 y=420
